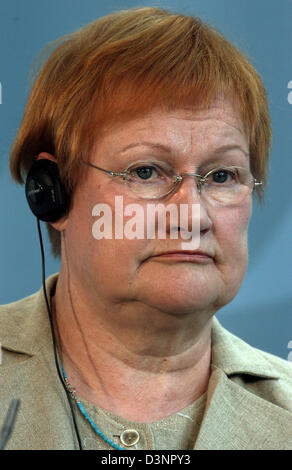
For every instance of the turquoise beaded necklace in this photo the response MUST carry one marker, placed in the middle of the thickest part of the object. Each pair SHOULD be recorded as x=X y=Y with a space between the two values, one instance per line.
x=72 y=391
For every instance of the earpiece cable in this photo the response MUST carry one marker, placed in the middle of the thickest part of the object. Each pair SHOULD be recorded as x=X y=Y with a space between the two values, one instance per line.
x=54 y=338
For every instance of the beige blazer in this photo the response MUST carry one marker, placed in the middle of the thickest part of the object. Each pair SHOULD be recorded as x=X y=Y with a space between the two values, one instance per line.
x=249 y=397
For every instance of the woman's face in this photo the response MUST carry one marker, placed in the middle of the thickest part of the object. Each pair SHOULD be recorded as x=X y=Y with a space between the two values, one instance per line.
x=126 y=271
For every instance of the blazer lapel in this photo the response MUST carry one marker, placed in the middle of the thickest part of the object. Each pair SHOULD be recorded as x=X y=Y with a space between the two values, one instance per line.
x=236 y=419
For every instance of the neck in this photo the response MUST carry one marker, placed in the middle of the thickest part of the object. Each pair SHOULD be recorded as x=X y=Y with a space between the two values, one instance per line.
x=137 y=368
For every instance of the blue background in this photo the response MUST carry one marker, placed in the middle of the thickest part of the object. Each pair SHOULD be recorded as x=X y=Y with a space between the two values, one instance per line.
x=261 y=313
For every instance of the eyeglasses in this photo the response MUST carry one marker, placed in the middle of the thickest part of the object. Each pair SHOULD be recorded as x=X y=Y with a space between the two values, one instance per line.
x=148 y=180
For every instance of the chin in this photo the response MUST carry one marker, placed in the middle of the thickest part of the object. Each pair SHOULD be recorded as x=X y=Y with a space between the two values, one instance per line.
x=180 y=292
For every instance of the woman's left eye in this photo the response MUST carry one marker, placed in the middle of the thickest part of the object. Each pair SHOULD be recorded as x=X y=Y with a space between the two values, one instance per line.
x=223 y=175
x=145 y=172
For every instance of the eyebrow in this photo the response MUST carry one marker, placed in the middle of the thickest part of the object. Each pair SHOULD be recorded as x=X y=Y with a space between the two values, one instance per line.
x=166 y=148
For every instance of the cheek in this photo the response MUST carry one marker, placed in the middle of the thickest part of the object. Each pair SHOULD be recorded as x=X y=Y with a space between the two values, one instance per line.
x=106 y=254
x=231 y=228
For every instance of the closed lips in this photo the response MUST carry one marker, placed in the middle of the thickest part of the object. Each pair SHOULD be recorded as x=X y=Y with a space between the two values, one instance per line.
x=185 y=253
x=188 y=252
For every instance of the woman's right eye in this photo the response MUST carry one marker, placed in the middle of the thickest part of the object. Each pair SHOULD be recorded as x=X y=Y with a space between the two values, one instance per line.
x=147 y=173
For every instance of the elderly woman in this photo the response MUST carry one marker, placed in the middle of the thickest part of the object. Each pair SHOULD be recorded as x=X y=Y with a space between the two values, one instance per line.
x=142 y=107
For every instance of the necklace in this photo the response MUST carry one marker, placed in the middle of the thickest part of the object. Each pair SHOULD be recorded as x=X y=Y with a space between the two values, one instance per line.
x=72 y=392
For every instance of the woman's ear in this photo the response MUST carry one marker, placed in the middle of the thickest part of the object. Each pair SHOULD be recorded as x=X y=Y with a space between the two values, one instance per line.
x=48 y=156
x=61 y=223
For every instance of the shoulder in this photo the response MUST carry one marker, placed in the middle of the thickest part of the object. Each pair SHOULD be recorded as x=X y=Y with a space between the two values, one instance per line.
x=18 y=311
x=24 y=323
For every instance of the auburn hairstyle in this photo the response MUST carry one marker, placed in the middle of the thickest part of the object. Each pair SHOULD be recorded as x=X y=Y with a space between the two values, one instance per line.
x=123 y=65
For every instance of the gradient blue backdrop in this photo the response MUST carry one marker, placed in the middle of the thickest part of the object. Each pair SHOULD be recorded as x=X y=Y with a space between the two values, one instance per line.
x=261 y=313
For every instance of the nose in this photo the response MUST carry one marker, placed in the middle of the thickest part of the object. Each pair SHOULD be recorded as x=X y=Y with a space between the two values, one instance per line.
x=188 y=194
x=190 y=182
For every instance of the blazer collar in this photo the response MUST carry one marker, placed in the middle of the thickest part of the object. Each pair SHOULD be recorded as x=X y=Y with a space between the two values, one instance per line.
x=236 y=419
x=235 y=356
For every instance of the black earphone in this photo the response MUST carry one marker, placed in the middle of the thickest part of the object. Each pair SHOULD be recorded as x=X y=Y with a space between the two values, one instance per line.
x=48 y=201
x=45 y=192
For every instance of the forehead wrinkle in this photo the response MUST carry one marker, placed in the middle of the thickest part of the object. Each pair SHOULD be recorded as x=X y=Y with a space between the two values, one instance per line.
x=181 y=146
x=180 y=138
x=207 y=148
x=235 y=118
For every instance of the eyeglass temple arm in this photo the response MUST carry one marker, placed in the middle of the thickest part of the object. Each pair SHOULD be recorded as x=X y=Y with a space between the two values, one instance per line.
x=112 y=173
